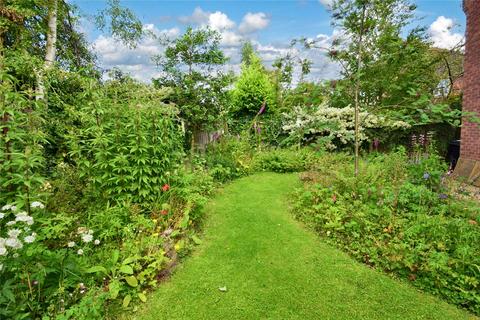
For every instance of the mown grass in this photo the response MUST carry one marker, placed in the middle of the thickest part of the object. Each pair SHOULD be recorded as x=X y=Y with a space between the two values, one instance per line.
x=273 y=268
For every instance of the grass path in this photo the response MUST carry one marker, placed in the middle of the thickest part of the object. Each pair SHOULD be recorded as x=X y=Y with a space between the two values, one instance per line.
x=273 y=268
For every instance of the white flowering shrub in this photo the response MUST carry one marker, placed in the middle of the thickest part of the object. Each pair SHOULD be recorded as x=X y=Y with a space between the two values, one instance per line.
x=85 y=236
x=333 y=127
x=15 y=231
x=46 y=267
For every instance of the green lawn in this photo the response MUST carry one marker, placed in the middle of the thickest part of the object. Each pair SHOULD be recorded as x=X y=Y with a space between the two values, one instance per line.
x=273 y=268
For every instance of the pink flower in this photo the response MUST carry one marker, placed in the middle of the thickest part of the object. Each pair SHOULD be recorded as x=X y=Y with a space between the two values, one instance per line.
x=262 y=109
x=165 y=187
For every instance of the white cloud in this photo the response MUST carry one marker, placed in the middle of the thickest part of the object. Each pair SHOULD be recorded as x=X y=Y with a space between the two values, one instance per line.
x=84 y=26
x=327 y=3
x=252 y=22
x=230 y=39
x=216 y=20
x=322 y=66
x=441 y=33
x=220 y=21
x=137 y=61
x=169 y=33
x=268 y=53
x=198 y=17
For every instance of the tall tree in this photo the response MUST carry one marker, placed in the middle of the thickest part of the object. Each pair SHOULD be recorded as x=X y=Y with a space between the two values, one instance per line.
x=51 y=47
x=253 y=89
x=192 y=66
x=247 y=52
x=289 y=68
x=393 y=61
x=120 y=22
x=384 y=70
x=359 y=52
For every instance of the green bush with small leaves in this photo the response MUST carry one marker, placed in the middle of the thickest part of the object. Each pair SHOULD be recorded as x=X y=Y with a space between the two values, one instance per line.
x=284 y=160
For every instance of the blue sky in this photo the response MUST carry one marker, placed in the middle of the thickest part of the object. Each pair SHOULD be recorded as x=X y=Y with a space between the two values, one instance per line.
x=269 y=24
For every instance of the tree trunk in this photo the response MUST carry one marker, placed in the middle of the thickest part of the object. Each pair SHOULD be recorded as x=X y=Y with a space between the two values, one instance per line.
x=357 y=91
x=192 y=146
x=51 y=48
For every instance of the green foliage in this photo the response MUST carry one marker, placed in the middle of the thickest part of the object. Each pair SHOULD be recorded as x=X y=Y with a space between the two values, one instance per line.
x=126 y=147
x=106 y=158
x=192 y=66
x=229 y=158
x=333 y=128
x=306 y=94
x=121 y=22
x=293 y=274
x=247 y=52
x=24 y=26
x=398 y=74
x=284 y=160
x=283 y=75
x=21 y=149
x=400 y=216
x=252 y=89
x=104 y=256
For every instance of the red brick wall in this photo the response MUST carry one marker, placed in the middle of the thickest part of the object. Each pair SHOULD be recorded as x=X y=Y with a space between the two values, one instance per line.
x=470 y=136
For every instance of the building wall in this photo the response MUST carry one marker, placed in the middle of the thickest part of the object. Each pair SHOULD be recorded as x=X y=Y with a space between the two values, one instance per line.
x=470 y=136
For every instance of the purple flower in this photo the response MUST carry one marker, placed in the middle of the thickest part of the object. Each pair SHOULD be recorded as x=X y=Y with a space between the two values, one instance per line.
x=426 y=175
x=262 y=109
x=376 y=143
x=421 y=139
x=257 y=128
x=442 y=196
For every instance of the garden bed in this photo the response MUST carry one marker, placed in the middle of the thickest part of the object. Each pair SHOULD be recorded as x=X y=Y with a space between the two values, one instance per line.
x=402 y=217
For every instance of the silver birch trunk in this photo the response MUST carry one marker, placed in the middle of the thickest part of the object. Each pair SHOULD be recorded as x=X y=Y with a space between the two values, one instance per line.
x=51 y=48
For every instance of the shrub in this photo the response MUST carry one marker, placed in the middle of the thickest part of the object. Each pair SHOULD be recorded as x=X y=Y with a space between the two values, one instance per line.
x=252 y=89
x=333 y=127
x=228 y=158
x=21 y=145
x=397 y=218
x=284 y=160
x=127 y=150
x=54 y=264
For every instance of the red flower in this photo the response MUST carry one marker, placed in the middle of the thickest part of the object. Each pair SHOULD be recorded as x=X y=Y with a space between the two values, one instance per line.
x=164 y=212
x=166 y=187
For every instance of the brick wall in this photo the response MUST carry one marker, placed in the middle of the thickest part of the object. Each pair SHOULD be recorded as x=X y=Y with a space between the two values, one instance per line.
x=470 y=136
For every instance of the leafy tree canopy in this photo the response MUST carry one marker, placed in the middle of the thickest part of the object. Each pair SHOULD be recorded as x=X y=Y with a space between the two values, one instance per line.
x=252 y=89
x=192 y=65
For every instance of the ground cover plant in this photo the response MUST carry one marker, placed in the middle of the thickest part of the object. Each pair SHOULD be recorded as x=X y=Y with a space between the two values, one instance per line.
x=401 y=215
